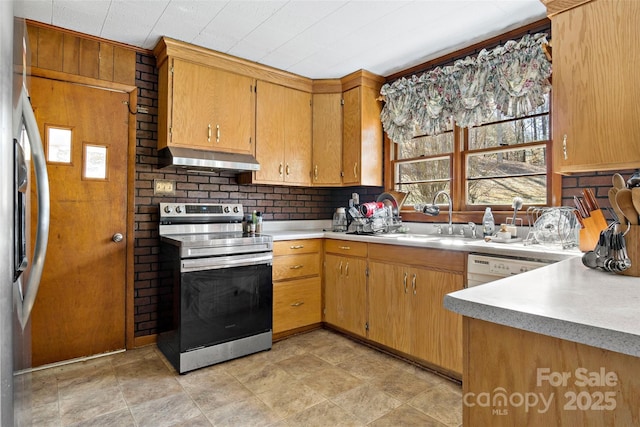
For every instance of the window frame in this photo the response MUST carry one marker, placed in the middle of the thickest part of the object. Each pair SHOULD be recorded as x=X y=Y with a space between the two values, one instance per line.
x=462 y=212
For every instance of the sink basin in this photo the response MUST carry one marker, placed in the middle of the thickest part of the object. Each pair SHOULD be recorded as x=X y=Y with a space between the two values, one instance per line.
x=442 y=239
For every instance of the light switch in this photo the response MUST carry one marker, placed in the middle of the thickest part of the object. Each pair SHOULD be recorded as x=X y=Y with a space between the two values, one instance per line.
x=164 y=187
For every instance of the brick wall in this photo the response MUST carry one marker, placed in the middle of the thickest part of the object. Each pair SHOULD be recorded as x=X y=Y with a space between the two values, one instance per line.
x=599 y=182
x=277 y=202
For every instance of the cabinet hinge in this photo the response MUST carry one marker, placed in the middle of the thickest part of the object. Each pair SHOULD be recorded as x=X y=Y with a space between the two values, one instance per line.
x=342 y=174
x=366 y=326
x=250 y=141
x=171 y=70
x=170 y=133
x=366 y=272
x=342 y=101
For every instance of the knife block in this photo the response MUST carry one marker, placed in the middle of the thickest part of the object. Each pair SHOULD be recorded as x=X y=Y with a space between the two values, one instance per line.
x=632 y=241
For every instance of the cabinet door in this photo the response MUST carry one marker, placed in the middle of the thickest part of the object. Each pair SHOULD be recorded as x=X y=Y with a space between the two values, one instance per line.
x=596 y=87
x=351 y=135
x=437 y=331
x=234 y=112
x=345 y=293
x=327 y=139
x=297 y=136
x=389 y=304
x=270 y=117
x=192 y=112
x=296 y=304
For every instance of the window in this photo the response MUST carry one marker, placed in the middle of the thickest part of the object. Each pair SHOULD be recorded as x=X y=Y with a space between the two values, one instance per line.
x=495 y=162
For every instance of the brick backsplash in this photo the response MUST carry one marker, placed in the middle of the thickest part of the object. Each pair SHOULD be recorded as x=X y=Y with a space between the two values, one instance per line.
x=599 y=182
x=276 y=202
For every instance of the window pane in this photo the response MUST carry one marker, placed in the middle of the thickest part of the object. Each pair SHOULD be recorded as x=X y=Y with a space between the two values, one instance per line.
x=507 y=163
x=423 y=193
x=426 y=146
x=510 y=133
x=424 y=170
x=501 y=191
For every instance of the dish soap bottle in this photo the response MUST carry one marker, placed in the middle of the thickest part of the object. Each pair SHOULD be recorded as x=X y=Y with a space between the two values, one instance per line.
x=488 y=224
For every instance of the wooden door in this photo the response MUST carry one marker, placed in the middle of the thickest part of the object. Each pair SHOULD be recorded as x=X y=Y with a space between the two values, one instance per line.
x=192 y=112
x=80 y=307
x=297 y=137
x=270 y=117
x=351 y=137
x=327 y=139
x=234 y=112
x=437 y=331
x=389 y=302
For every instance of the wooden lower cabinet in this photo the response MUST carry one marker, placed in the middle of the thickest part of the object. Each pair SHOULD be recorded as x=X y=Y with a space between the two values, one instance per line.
x=297 y=285
x=296 y=304
x=406 y=287
x=345 y=291
x=514 y=377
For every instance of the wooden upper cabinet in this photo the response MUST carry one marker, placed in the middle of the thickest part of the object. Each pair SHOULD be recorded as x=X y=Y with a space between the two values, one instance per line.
x=327 y=139
x=362 y=132
x=283 y=135
x=204 y=107
x=596 y=87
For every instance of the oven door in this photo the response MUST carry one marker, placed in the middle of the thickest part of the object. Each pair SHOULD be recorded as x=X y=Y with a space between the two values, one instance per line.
x=224 y=304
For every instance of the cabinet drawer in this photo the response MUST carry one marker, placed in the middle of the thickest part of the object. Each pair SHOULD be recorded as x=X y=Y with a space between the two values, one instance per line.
x=346 y=247
x=302 y=246
x=292 y=266
x=436 y=259
x=296 y=304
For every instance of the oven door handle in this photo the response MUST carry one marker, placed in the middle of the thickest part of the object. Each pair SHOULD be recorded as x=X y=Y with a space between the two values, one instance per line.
x=216 y=263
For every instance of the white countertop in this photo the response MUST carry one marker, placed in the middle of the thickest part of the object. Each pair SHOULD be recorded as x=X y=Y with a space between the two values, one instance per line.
x=564 y=300
x=293 y=230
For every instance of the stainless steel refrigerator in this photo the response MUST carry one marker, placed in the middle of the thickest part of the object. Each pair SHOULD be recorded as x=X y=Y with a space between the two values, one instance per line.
x=23 y=174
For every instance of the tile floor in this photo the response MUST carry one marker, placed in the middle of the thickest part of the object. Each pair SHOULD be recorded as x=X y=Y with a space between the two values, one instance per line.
x=315 y=379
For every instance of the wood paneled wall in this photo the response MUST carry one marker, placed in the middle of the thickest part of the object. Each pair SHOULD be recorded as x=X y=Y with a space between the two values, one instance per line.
x=62 y=51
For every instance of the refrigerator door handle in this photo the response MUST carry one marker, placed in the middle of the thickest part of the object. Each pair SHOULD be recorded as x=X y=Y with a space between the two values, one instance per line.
x=42 y=191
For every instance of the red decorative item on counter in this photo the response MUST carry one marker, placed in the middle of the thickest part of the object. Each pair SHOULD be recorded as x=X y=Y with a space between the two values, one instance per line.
x=368 y=209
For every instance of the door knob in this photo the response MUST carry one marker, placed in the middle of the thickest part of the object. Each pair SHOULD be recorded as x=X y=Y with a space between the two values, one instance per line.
x=117 y=237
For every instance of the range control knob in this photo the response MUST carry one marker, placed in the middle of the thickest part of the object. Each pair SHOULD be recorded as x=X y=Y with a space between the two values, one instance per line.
x=167 y=209
x=235 y=209
x=178 y=209
x=226 y=209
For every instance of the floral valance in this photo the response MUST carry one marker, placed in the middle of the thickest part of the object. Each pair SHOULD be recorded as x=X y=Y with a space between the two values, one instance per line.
x=512 y=78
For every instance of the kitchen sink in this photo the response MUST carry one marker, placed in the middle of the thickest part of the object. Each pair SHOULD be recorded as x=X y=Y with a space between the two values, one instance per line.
x=439 y=238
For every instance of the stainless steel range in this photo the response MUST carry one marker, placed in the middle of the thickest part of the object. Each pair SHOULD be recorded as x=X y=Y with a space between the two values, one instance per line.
x=216 y=298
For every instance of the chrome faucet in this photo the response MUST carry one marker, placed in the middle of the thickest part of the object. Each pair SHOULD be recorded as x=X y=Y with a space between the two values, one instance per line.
x=450 y=228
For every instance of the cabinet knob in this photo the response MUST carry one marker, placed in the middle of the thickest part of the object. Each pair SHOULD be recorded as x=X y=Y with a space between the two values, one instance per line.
x=315 y=172
x=209 y=133
x=346 y=269
x=296 y=247
x=413 y=284
x=564 y=147
x=344 y=248
x=296 y=267
x=287 y=169
x=280 y=169
x=404 y=282
x=297 y=304
x=217 y=133
x=355 y=170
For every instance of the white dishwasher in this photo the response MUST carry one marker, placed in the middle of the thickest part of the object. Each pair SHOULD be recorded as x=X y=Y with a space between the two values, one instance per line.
x=487 y=268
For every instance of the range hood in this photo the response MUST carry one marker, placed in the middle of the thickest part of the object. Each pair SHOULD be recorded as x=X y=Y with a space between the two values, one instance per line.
x=204 y=160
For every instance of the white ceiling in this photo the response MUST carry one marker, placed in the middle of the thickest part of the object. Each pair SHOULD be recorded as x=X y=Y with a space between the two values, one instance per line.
x=312 y=38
